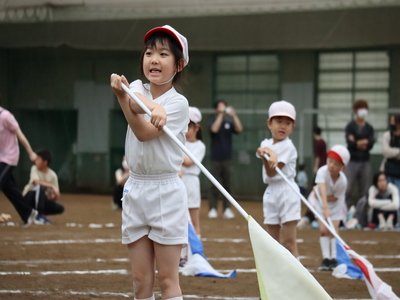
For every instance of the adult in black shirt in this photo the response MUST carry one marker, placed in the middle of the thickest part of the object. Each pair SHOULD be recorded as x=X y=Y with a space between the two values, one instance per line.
x=360 y=138
x=222 y=127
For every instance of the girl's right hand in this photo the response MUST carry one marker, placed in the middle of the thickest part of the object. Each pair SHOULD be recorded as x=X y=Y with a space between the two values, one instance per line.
x=116 y=81
x=158 y=116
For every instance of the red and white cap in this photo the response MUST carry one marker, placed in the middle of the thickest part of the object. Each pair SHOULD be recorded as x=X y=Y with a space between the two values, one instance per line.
x=282 y=109
x=194 y=114
x=339 y=153
x=182 y=41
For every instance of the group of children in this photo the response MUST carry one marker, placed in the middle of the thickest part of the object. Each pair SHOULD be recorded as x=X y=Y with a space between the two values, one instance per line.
x=156 y=201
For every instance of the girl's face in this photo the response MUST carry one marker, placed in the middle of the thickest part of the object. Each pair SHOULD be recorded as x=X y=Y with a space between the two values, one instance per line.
x=159 y=64
x=334 y=167
x=382 y=183
x=280 y=127
x=191 y=132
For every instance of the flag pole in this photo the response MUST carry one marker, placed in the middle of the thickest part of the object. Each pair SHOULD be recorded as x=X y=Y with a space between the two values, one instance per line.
x=189 y=154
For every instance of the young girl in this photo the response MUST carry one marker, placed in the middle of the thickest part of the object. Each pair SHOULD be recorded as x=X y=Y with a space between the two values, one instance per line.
x=329 y=199
x=190 y=172
x=383 y=199
x=281 y=204
x=154 y=214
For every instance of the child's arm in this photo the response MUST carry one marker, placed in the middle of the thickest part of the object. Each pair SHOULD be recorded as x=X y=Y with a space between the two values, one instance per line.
x=142 y=129
x=324 y=199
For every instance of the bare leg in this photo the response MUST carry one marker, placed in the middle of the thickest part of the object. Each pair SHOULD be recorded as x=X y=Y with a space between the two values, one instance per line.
x=167 y=260
x=195 y=217
x=288 y=237
x=141 y=255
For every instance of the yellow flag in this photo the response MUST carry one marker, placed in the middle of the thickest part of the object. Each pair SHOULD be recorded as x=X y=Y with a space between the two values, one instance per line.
x=280 y=275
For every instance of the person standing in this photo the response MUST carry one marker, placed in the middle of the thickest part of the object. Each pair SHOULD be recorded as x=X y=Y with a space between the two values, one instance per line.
x=319 y=150
x=154 y=203
x=391 y=154
x=360 y=138
x=10 y=135
x=225 y=123
x=281 y=205
x=190 y=171
x=328 y=198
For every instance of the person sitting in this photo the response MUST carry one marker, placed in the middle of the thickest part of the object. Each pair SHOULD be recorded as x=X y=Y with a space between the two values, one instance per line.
x=121 y=176
x=42 y=191
x=383 y=200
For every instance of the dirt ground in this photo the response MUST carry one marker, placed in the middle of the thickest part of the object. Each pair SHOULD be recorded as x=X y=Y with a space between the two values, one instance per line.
x=79 y=256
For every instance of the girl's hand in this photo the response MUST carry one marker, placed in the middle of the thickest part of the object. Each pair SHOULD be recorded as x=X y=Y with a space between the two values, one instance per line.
x=115 y=82
x=158 y=116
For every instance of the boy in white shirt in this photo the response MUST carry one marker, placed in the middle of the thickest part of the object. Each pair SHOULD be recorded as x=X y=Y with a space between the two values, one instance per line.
x=42 y=190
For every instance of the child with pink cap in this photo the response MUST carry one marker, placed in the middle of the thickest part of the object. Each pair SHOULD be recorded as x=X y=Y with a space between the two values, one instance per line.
x=281 y=204
x=154 y=201
x=329 y=199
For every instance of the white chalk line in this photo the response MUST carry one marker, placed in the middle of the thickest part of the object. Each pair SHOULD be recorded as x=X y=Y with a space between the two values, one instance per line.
x=126 y=295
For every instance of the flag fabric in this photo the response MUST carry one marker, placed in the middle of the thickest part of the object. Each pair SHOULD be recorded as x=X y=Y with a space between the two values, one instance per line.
x=280 y=275
x=346 y=268
x=378 y=289
x=197 y=264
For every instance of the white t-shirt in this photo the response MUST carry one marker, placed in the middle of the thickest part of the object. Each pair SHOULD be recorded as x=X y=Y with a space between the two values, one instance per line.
x=50 y=176
x=160 y=155
x=198 y=149
x=337 y=188
x=287 y=154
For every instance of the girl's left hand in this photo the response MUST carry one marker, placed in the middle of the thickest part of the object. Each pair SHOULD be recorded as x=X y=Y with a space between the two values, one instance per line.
x=158 y=116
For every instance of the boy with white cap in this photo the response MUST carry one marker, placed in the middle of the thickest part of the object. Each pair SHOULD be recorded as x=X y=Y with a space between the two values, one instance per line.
x=281 y=204
x=329 y=199
x=190 y=171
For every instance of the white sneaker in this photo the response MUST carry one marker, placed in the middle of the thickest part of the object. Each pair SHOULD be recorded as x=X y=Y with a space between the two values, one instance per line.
x=31 y=218
x=212 y=214
x=303 y=223
x=228 y=214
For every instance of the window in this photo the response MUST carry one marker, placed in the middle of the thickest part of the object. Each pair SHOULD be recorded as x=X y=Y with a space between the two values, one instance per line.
x=344 y=77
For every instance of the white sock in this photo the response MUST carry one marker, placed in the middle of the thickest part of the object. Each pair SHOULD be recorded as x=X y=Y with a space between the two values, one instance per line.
x=176 y=298
x=324 y=242
x=333 y=247
x=150 y=298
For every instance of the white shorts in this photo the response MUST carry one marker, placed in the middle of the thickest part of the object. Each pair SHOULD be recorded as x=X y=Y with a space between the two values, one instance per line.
x=156 y=206
x=281 y=204
x=192 y=184
x=337 y=209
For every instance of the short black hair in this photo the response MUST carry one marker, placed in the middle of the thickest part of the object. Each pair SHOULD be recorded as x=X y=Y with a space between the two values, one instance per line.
x=45 y=155
x=317 y=130
x=219 y=101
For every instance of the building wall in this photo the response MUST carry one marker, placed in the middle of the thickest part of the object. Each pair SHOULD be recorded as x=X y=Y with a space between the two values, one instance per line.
x=63 y=102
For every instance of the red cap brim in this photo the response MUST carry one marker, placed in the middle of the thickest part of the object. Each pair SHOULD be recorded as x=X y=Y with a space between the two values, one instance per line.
x=162 y=29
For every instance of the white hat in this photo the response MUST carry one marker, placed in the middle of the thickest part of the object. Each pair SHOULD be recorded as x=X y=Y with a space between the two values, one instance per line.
x=282 y=109
x=194 y=114
x=182 y=41
x=339 y=153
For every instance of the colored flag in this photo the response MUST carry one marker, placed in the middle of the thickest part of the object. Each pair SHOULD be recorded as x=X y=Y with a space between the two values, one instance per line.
x=197 y=264
x=346 y=268
x=280 y=275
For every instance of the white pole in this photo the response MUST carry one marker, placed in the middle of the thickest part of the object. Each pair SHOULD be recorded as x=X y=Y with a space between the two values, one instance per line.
x=317 y=215
x=188 y=153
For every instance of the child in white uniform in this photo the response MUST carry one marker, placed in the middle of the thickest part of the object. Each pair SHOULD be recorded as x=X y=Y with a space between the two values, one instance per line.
x=281 y=204
x=190 y=171
x=154 y=215
x=328 y=198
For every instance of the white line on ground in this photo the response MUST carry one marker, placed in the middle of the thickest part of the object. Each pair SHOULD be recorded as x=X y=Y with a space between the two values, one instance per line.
x=123 y=295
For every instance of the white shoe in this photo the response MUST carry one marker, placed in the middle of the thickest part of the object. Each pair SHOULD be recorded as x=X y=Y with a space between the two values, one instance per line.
x=303 y=223
x=212 y=214
x=228 y=214
x=352 y=223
